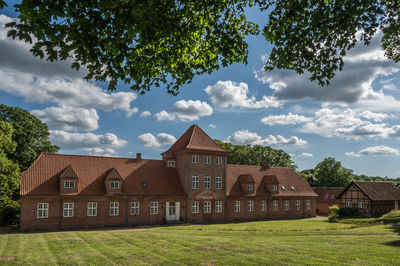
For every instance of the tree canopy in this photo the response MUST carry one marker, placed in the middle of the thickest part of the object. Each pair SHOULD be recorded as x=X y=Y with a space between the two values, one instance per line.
x=29 y=133
x=331 y=173
x=163 y=42
x=256 y=155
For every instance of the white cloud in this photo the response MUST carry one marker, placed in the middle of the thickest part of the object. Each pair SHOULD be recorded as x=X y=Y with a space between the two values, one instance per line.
x=68 y=118
x=305 y=154
x=212 y=126
x=377 y=117
x=145 y=114
x=380 y=150
x=363 y=65
x=244 y=137
x=226 y=94
x=77 y=141
x=164 y=116
x=185 y=111
x=364 y=129
x=149 y=140
x=289 y=119
x=101 y=152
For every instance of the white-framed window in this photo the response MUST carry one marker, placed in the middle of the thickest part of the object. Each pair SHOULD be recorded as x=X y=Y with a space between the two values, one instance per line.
x=69 y=184
x=250 y=187
x=207 y=182
x=236 y=206
x=207 y=159
x=361 y=205
x=195 y=207
x=250 y=206
x=308 y=205
x=287 y=206
x=195 y=181
x=218 y=182
x=195 y=159
x=332 y=196
x=114 y=208
x=135 y=208
x=218 y=160
x=114 y=185
x=218 y=206
x=274 y=187
x=207 y=206
x=297 y=205
x=263 y=206
x=153 y=207
x=171 y=163
x=275 y=205
x=348 y=204
x=68 y=209
x=92 y=209
x=42 y=210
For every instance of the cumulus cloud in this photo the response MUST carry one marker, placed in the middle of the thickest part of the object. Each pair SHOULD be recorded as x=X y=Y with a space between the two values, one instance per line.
x=149 y=140
x=68 y=118
x=380 y=150
x=363 y=65
x=145 y=114
x=76 y=141
x=212 y=126
x=101 y=151
x=377 y=117
x=244 y=137
x=305 y=154
x=364 y=129
x=289 y=119
x=185 y=111
x=226 y=94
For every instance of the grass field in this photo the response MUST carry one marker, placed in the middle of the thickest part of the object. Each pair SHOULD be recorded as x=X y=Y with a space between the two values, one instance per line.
x=308 y=241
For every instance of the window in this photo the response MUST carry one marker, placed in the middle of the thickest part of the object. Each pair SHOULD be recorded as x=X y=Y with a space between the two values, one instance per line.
x=207 y=206
x=287 y=207
x=218 y=206
x=207 y=182
x=348 y=204
x=308 y=205
x=361 y=205
x=69 y=184
x=327 y=195
x=195 y=207
x=42 y=210
x=114 y=185
x=207 y=159
x=274 y=187
x=218 y=160
x=250 y=187
x=263 y=206
x=283 y=187
x=195 y=159
x=135 y=208
x=153 y=207
x=114 y=208
x=171 y=163
x=68 y=210
x=218 y=182
x=92 y=209
x=250 y=205
x=333 y=196
x=195 y=181
x=275 y=205
x=236 y=206
x=297 y=205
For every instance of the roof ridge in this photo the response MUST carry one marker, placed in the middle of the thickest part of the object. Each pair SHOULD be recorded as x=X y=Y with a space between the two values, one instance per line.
x=191 y=135
x=34 y=162
x=92 y=156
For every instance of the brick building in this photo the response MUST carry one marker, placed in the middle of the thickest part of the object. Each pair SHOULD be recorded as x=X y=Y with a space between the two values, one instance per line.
x=327 y=197
x=191 y=183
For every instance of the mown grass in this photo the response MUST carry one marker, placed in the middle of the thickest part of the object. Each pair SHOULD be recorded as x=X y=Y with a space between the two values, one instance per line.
x=308 y=241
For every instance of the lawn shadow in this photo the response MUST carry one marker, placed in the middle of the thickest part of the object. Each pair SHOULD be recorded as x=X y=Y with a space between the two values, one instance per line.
x=395 y=228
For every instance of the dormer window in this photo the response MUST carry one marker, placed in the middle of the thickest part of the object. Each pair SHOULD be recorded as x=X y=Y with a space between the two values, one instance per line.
x=69 y=184
x=250 y=187
x=195 y=159
x=114 y=185
x=207 y=159
x=171 y=163
x=274 y=187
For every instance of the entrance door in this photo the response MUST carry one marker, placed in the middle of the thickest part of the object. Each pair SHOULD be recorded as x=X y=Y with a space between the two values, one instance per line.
x=396 y=204
x=172 y=211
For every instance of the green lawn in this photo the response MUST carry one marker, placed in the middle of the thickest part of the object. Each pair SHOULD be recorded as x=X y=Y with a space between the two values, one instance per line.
x=308 y=241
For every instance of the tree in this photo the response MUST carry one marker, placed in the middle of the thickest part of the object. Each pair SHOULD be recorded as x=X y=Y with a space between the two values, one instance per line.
x=146 y=43
x=29 y=133
x=9 y=176
x=331 y=173
x=256 y=155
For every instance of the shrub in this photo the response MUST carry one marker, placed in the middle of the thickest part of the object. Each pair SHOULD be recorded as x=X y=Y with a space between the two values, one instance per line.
x=333 y=210
x=9 y=215
x=348 y=213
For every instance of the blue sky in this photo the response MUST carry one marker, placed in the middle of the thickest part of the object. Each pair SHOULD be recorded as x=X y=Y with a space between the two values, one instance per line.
x=355 y=119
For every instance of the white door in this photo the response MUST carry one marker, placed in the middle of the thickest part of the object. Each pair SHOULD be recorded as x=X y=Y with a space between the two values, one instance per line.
x=172 y=211
x=396 y=204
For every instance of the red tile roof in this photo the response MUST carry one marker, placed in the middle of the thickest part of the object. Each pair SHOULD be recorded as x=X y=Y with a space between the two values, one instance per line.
x=332 y=193
x=377 y=190
x=196 y=139
x=286 y=177
x=43 y=175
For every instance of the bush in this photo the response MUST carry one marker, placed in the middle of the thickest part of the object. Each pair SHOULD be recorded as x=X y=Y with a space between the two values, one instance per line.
x=333 y=210
x=9 y=215
x=348 y=213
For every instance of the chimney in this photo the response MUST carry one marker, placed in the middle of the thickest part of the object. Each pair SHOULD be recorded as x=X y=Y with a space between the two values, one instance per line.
x=138 y=157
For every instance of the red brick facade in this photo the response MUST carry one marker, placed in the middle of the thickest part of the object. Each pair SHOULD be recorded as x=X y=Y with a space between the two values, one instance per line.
x=191 y=183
